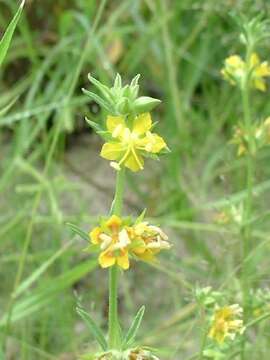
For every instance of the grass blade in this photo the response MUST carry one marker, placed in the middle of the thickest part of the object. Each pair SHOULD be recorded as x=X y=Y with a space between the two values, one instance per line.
x=6 y=39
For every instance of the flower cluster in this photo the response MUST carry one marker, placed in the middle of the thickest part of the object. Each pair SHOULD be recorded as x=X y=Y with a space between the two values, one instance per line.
x=226 y=323
x=128 y=144
x=236 y=70
x=131 y=354
x=128 y=133
x=118 y=240
x=259 y=133
x=232 y=214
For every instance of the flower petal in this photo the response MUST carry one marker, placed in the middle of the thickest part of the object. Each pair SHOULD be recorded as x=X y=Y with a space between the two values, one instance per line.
x=263 y=70
x=147 y=255
x=94 y=235
x=142 y=124
x=106 y=259
x=155 y=143
x=234 y=61
x=123 y=260
x=114 y=222
x=113 y=121
x=260 y=84
x=134 y=164
x=111 y=151
x=254 y=60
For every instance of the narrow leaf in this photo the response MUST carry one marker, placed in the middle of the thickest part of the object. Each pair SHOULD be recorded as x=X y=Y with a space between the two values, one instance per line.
x=94 y=328
x=94 y=125
x=132 y=332
x=117 y=82
x=78 y=231
x=6 y=39
x=102 y=88
x=97 y=99
x=134 y=81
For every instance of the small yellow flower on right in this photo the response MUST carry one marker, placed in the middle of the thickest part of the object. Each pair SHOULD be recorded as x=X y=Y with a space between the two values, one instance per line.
x=227 y=322
x=260 y=134
x=236 y=69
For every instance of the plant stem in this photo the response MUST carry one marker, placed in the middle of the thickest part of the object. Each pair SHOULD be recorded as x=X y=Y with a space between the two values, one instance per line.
x=116 y=209
x=246 y=229
x=203 y=334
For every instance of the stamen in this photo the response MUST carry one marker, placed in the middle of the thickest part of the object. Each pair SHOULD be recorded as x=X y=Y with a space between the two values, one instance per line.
x=136 y=158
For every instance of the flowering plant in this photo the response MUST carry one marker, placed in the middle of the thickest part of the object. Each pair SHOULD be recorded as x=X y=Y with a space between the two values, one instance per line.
x=116 y=239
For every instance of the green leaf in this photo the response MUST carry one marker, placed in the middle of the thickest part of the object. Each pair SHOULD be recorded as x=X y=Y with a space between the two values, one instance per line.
x=102 y=88
x=95 y=126
x=134 y=81
x=117 y=82
x=78 y=231
x=140 y=217
x=93 y=327
x=132 y=332
x=97 y=99
x=6 y=39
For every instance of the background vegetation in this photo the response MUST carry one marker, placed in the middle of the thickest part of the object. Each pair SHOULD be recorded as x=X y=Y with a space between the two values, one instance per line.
x=51 y=173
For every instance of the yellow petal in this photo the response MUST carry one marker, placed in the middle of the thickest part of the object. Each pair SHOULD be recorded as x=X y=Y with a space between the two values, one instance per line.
x=234 y=61
x=263 y=70
x=138 y=250
x=155 y=143
x=114 y=222
x=146 y=256
x=259 y=84
x=254 y=60
x=134 y=163
x=142 y=123
x=94 y=235
x=111 y=151
x=113 y=121
x=106 y=259
x=123 y=260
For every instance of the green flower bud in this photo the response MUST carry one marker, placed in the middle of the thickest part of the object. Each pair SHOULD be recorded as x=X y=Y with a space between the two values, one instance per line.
x=123 y=106
x=145 y=104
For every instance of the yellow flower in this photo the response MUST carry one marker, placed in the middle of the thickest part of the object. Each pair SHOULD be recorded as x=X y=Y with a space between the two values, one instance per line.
x=113 y=241
x=114 y=255
x=117 y=240
x=148 y=241
x=128 y=145
x=259 y=71
x=240 y=138
x=235 y=70
x=227 y=323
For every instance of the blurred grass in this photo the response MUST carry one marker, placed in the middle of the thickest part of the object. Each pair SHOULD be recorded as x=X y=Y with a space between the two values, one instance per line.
x=50 y=173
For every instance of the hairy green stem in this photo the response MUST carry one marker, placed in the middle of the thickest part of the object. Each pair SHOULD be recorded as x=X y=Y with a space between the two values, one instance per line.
x=203 y=333
x=246 y=229
x=116 y=209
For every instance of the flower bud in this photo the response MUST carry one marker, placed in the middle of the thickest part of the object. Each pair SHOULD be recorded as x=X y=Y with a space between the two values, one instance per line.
x=145 y=104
